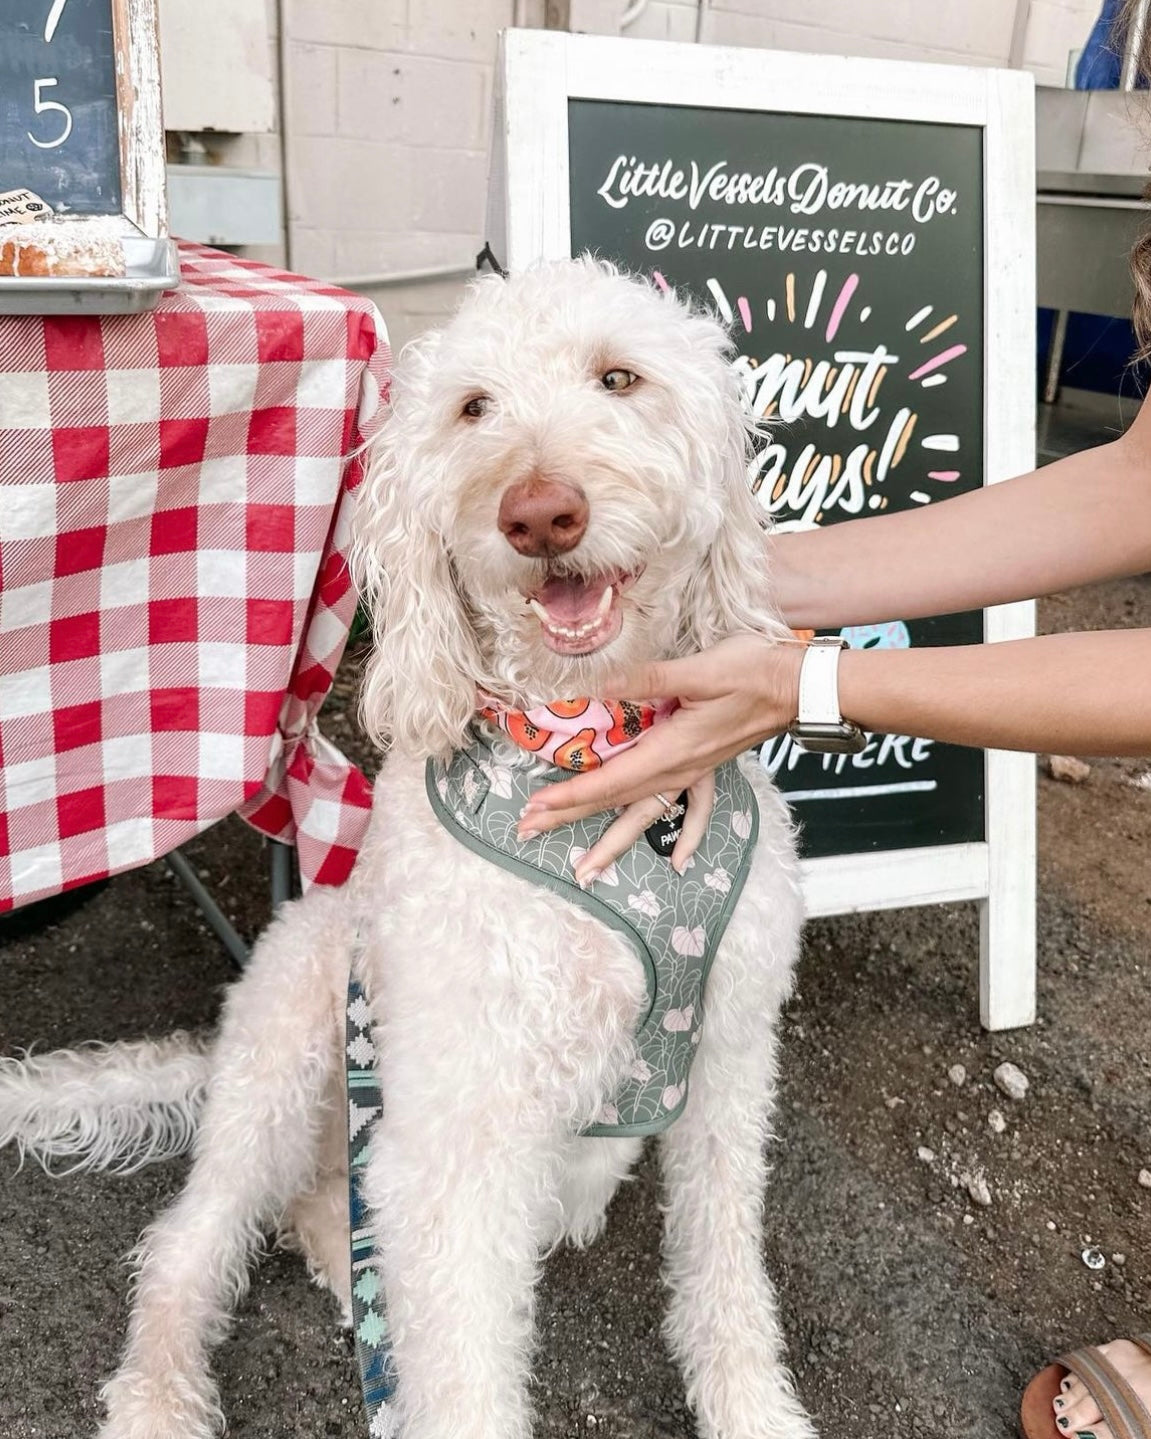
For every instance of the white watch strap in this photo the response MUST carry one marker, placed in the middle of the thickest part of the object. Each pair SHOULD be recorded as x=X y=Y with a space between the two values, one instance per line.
x=819 y=685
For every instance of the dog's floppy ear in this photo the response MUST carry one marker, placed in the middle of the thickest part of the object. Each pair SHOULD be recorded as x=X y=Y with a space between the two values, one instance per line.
x=419 y=688
x=731 y=592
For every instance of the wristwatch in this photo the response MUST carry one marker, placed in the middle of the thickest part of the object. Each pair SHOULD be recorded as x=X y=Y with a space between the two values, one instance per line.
x=819 y=726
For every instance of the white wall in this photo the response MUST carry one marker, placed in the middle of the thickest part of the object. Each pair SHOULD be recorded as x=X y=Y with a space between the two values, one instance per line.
x=963 y=32
x=388 y=104
x=218 y=65
x=1056 y=28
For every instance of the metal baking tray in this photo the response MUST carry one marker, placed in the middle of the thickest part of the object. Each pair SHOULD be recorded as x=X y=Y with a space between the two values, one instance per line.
x=150 y=268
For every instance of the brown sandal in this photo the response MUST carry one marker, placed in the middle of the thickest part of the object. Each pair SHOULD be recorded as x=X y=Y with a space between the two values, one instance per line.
x=1118 y=1403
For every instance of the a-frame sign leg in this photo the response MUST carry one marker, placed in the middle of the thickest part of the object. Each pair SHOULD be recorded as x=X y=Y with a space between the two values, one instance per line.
x=1007 y=941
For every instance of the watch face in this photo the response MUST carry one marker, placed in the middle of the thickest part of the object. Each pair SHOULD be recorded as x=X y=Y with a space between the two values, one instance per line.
x=846 y=738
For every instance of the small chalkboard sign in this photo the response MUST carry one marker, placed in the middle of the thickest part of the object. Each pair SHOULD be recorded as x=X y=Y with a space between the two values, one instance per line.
x=864 y=228
x=83 y=213
x=58 y=105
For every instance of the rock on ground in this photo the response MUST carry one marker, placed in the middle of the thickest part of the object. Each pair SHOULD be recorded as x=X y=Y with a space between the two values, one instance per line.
x=1067 y=768
x=1012 y=1081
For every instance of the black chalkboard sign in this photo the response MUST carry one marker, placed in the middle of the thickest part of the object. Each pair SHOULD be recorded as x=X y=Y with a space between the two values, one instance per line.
x=59 y=114
x=846 y=255
x=867 y=229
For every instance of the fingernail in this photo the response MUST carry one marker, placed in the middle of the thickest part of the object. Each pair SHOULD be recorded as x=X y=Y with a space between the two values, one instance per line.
x=590 y=878
x=528 y=833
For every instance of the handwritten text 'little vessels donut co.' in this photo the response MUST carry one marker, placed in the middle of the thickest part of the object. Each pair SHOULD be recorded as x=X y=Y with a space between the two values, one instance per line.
x=807 y=190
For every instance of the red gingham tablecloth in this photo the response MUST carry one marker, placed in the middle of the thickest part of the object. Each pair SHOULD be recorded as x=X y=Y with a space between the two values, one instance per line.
x=174 y=598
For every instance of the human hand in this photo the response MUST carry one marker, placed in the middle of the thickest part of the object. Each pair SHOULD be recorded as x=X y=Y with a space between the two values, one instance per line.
x=639 y=817
x=735 y=694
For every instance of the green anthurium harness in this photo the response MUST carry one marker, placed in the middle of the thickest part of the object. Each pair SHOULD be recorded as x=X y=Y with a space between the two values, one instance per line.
x=675 y=922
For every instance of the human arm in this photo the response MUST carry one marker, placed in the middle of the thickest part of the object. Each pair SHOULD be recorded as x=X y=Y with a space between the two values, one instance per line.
x=1073 y=693
x=1078 y=693
x=1084 y=518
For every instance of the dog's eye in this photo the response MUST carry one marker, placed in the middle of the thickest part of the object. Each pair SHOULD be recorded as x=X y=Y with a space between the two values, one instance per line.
x=477 y=407
x=616 y=380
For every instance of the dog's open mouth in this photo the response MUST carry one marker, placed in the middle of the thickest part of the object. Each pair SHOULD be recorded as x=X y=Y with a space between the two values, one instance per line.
x=579 y=615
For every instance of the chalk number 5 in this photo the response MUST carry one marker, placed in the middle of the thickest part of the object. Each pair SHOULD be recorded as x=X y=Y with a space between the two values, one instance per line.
x=42 y=106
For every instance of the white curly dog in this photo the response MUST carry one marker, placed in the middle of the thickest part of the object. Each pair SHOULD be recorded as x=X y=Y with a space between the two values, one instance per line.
x=571 y=431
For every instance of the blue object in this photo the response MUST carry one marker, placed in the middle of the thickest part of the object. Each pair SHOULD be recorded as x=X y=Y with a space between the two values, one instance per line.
x=1100 y=65
x=1097 y=354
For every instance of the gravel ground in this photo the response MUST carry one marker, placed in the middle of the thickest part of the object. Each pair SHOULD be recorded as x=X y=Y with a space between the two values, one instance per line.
x=910 y=1309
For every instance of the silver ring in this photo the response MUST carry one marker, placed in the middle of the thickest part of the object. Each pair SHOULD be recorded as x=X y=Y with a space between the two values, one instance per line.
x=671 y=810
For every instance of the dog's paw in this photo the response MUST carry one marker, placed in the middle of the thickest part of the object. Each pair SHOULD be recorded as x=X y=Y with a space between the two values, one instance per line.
x=582 y=1231
x=753 y=1404
x=139 y=1406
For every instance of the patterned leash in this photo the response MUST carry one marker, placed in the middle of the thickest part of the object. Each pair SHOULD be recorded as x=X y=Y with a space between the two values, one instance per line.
x=369 y=1320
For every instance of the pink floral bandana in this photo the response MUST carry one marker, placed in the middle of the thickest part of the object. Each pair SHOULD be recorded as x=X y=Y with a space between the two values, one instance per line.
x=578 y=734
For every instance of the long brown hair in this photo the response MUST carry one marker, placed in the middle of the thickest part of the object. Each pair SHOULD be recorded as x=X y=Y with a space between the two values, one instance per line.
x=1140 y=258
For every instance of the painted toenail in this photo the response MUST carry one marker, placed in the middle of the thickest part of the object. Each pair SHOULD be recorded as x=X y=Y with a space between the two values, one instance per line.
x=1066 y=1384
x=1059 y=1403
x=1064 y=1422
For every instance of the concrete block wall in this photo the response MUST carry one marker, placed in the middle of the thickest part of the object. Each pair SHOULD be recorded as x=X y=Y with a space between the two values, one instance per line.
x=185 y=72
x=968 y=32
x=429 y=105
x=387 y=106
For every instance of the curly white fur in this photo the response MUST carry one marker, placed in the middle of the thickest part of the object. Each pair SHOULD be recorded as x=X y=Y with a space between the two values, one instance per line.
x=664 y=471
x=502 y=1013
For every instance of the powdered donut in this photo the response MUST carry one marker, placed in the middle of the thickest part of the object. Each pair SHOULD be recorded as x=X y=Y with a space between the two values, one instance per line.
x=61 y=248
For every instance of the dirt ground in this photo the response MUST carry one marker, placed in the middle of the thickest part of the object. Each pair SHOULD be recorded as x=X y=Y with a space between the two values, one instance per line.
x=909 y=1308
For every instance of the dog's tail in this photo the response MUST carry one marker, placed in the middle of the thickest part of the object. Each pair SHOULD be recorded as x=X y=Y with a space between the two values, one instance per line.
x=104 y=1106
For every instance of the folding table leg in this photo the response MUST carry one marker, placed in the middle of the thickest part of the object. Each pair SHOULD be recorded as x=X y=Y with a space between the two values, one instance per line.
x=218 y=921
x=1007 y=918
x=281 y=861
x=284 y=885
x=1054 y=370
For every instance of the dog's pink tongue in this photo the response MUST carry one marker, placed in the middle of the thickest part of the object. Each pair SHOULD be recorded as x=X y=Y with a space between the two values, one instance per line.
x=572 y=602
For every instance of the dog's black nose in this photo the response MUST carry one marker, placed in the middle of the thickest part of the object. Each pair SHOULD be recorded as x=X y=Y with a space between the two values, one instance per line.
x=540 y=517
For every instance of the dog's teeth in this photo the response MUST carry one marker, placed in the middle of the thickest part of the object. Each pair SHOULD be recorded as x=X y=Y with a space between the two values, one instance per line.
x=576 y=632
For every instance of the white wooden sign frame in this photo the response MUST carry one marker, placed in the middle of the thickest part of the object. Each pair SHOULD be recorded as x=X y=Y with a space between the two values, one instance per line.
x=530 y=219
x=143 y=170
